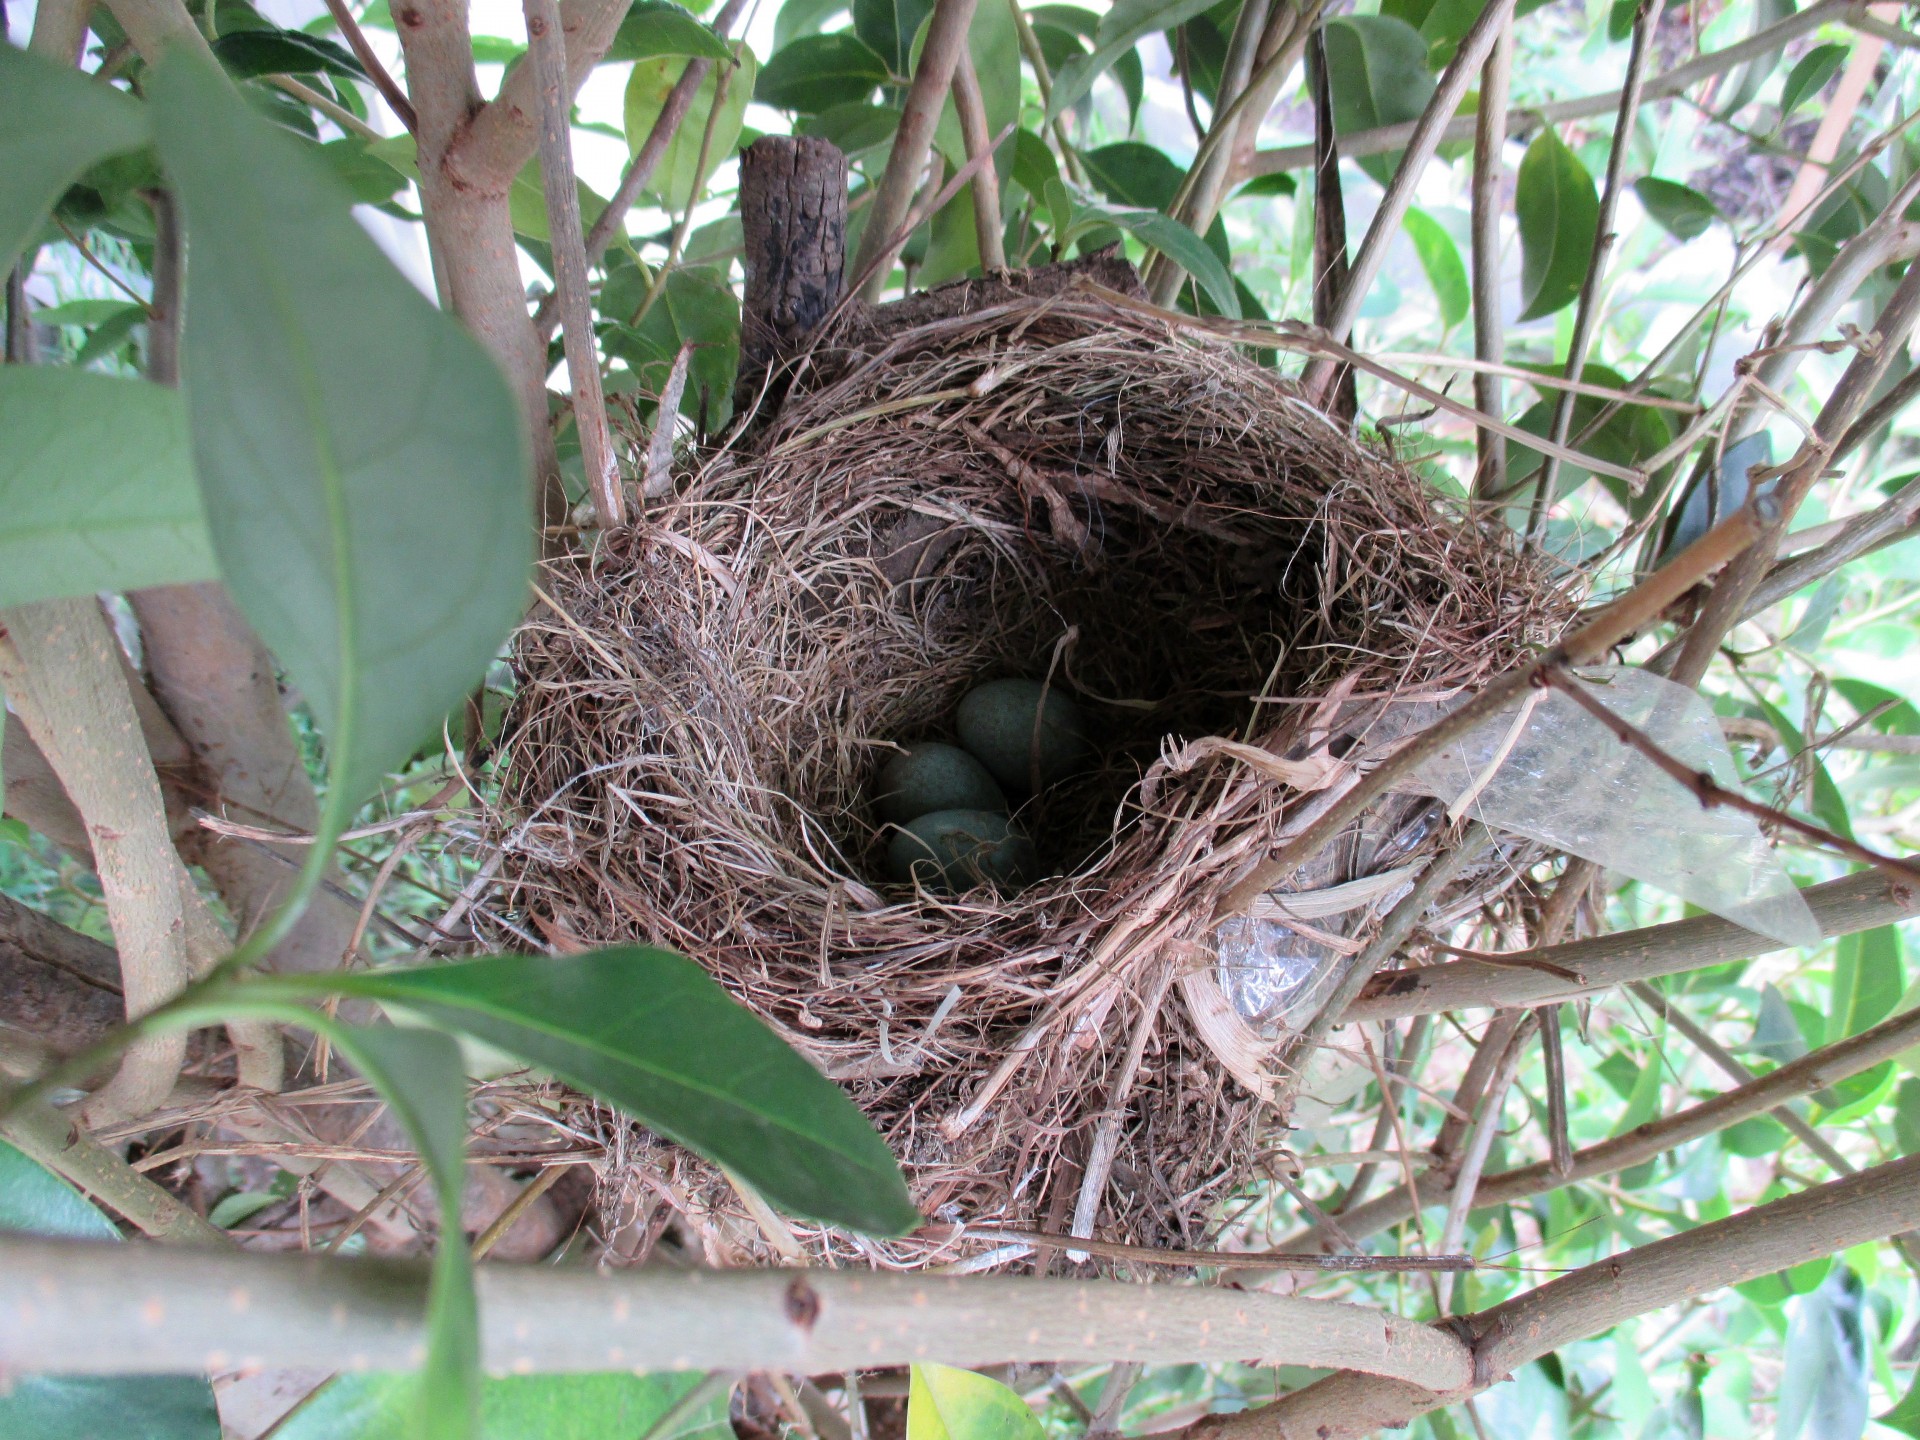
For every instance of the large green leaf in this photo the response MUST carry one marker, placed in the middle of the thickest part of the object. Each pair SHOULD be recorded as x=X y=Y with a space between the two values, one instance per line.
x=696 y=307
x=86 y=1407
x=817 y=72
x=1628 y=435
x=1823 y=1389
x=1121 y=28
x=1905 y=1416
x=658 y=27
x=888 y=26
x=1184 y=248
x=1744 y=83
x=247 y=53
x=948 y=1404
x=1559 y=213
x=339 y=420
x=97 y=490
x=54 y=123
x=1440 y=258
x=379 y=1406
x=803 y=17
x=678 y=178
x=1809 y=76
x=1377 y=72
x=651 y=1032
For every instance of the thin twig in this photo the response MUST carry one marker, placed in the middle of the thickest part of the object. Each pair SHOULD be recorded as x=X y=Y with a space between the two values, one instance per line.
x=1486 y=201
x=971 y=107
x=384 y=82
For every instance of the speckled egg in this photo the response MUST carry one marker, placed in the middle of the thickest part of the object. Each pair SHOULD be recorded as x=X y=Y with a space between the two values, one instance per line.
x=929 y=777
x=955 y=850
x=996 y=722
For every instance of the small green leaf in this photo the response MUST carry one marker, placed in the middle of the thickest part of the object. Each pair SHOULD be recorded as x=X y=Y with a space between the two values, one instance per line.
x=54 y=124
x=1184 y=248
x=1440 y=258
x=419 y=1074
x=948 y=1404
x=1906 y=1116
x=1120 y=29
x=1680 y=210
x=1377 y=72
x=696 y=307
x=379 y=1406
x=1900 y=715
x=1262 y=187
x=1033 y=164
x=1905 y=1416
x=97 y=487
x=1559 y=214
x=678 y=178
x=657 y=27
x=337 y=418
x=817 y=72
x=1823 y=1388
x=651 y=1032
x=241 y=1206
x=1868 y=981
x=1829 y=805
x=246 y=54
x=855 y=128
x=35 y=1201
x=1809 y=76
x=85 y=312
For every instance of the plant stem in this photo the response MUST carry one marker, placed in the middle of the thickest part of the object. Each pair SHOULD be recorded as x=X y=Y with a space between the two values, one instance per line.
x=1489 y=330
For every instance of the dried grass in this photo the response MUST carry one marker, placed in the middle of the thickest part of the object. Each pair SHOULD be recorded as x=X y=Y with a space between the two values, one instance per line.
x=1235 y=590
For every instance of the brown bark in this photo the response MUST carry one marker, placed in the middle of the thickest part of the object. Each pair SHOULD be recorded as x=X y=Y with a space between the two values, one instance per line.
x=793 y=210
x=59 y=989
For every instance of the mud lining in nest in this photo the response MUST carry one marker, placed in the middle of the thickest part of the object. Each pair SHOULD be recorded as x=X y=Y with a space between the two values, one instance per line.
x=1048 y=487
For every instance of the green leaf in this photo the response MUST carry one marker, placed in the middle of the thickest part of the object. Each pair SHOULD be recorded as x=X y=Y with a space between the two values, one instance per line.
x=338 y=417
x=1829 y=805
x=1680 y=210
x=1185 y=249
x=1262 y=187
x=97 y=489
x=1120 y=29
x=1134 y=173
x=1809 y=76
x=1823 y=1389
x=1377 y=73
x=1744 y=83
x=1754 y=1137
x=1627 y=436
x=248 y=53
x=817 y=72
x=109 y=337
x=1559 y=213
x=888 y=26
x=85 y=1407
x=803 y=17
x=657 y=27
x=241 y=1206
x=84 y=312
x=378 y=1406
x=1902 y=717
x=419 y=1074
x=1905 y=1416
x=371 y=180
x=1868 y=981
x=678 y=178
x=855 y=128
x=1033 y=164
x=696 y=307
x=651 y=1032
x=948 y=1404
x=54 y=124
x=1440 y=258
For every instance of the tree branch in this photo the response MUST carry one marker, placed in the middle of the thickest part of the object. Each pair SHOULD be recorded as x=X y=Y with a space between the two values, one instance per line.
x=1841 y=907
x=1821 y=1221
x=44 y=1134
x=93 y=1308
x=388 y=87
x=971 y=108
x=907 y=161
x=153 y=25
x=547 y=62
x=1489 y=328
x=503 y=136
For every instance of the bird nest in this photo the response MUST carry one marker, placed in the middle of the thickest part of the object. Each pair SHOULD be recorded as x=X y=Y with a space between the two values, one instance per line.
x=1238 y=595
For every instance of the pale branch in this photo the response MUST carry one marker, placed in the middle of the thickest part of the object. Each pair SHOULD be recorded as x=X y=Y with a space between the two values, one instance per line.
x=1587 y=643
x=1880 y=412
x=1767 y=1238
x=1586 y=314
x=547 y=61
x=60 y=29
x=1479 y=1145
x=1728 y=599
x=971 y=108
x=73 y=1307
x=1892 y=520
x=1487 y=203
x=153 y=25
x=1424 y=140
x=388 y=87
x=1711 y=792
x=1840 y=907
x=1521 y=119
x=497 y=143
x=1399 y=923
x=1768 y=1094
x=60 y=666
x=1207 y=177
x=912 y=141
x=55 y=1141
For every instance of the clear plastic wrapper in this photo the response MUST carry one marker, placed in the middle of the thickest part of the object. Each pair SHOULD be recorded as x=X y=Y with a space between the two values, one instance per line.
x=1548 y=770
x=1274 y=977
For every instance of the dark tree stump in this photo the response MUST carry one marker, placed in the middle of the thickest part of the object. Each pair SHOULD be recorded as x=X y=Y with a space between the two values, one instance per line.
x=793 y=211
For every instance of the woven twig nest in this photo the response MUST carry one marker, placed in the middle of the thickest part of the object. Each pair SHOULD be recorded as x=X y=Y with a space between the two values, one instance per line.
x=1235 y=591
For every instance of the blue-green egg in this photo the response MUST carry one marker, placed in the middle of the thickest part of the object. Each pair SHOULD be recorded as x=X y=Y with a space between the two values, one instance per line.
x=928 y=777
x=955 y=850
x=996 y=722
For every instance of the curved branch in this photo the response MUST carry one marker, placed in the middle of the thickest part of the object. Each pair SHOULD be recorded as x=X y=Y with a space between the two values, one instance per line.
x=92 y=1308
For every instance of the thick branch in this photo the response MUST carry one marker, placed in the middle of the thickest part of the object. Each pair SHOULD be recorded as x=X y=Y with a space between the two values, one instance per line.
x=46 y=1135
x=1768 y=1238
x=907 y=161
x=1841 y=907
x=92 y=1308
x=502 y=137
